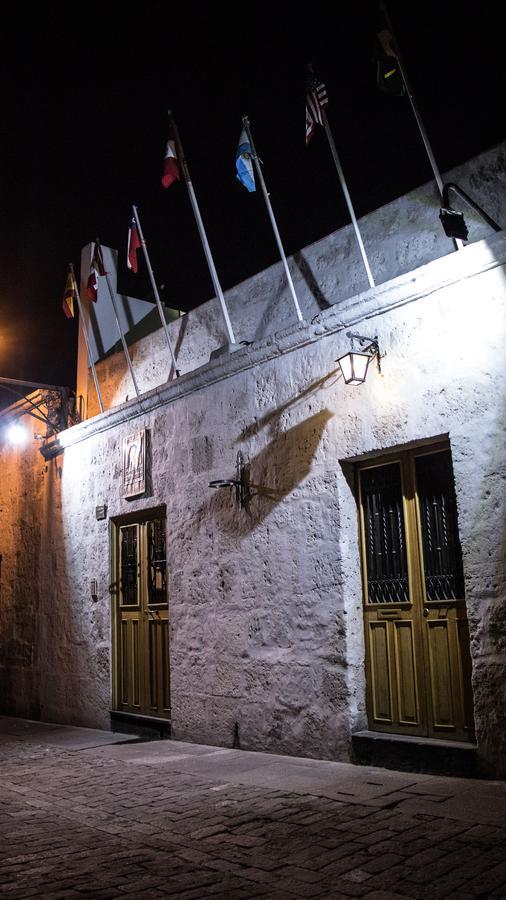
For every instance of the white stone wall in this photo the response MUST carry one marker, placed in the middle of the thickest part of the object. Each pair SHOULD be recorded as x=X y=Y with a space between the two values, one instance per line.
x=399 y=237
x=265 y=603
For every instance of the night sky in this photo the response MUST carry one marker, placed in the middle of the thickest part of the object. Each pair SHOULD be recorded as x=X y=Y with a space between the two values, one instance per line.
x=84 y=126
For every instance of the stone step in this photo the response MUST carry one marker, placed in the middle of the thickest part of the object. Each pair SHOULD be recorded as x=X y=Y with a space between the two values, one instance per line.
x=148 y=727
x=415 y=754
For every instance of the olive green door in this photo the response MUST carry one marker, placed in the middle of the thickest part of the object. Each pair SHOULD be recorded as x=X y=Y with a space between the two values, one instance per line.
x=417 y=640
x=140 y=619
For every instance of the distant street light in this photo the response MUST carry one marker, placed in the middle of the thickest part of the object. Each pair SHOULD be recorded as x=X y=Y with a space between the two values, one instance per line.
x=16 y=434
x=55 y=399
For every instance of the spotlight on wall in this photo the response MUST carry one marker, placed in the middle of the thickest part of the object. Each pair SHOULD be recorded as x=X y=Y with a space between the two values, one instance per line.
x=242 y=493
x=453 y=223
x=17 y=435
x=355 y=363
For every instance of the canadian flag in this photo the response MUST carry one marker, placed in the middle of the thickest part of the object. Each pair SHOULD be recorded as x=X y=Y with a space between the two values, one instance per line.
x=170 y=165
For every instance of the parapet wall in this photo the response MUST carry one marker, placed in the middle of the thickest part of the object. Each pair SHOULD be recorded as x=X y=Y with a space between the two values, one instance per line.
x=399 y=237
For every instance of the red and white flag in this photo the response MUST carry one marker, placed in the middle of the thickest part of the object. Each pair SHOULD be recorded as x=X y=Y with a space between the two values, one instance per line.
x=96 y=268
x=134 y=243
x=170 y=165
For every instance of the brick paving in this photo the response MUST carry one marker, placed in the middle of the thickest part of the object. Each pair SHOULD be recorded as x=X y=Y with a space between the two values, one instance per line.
x=85 y=823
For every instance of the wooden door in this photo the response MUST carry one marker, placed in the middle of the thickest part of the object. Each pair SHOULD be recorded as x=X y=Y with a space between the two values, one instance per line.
x=417 y=642
x=140 y=620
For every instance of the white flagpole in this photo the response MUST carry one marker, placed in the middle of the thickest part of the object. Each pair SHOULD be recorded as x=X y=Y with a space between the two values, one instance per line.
x=432 y=159
x=347 y=197
x=122 y=336
x=200 y=225
x=86 y=341
x=256 y=161
x=155 y=290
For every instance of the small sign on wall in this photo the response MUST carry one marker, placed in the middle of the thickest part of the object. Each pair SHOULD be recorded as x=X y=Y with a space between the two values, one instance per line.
x=134 y=464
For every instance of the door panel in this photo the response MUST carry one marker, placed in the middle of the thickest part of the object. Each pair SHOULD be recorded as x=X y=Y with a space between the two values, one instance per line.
x=417 y=642
x=141 y=632
x=407 y=691
x=440 y=675
x=380 y=672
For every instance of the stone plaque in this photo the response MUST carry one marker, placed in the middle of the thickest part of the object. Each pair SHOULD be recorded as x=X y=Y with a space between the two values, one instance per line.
x=101 y=512
x=134 y=464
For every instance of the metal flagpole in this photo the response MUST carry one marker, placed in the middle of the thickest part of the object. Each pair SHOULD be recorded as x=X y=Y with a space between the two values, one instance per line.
x=245 y=122
x=437 y=175
x=122 y=336
x=85 y=334
x=347 y=197
x=200 y=225
x=155 y=290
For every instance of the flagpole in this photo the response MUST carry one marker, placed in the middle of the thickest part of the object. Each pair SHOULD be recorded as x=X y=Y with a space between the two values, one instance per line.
x=347 y=197
x=86 y=341
x=122 y=336
x=245 y=122
x=200 y=225
x=432 y=159
x=155 y=290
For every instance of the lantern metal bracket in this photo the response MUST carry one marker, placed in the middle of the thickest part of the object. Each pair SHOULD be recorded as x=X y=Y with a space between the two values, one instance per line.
x=240 y=482
x=372 y=345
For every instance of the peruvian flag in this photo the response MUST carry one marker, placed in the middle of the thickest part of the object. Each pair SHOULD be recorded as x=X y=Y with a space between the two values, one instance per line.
x=170 y=165
x=96 y=268
x=133 y=245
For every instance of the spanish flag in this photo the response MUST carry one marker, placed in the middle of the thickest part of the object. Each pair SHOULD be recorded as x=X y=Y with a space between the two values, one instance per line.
x=70 y=295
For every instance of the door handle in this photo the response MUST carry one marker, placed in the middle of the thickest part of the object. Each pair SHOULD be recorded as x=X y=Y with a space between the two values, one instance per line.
x=426 y=611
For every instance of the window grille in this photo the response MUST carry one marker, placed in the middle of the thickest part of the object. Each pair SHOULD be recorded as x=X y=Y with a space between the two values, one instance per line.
x=157 y=579
x=129 y=566
x=387 y=576
x=438 y=513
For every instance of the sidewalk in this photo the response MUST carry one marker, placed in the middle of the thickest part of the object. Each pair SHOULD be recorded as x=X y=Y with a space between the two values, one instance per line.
x=84 y=813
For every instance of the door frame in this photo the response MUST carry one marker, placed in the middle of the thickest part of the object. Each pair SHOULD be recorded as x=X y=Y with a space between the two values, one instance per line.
x=137 y=517
x=405 y=457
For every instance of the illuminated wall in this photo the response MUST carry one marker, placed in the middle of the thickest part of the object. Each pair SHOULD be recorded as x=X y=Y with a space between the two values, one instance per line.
x=399 y=237
x=266 y=603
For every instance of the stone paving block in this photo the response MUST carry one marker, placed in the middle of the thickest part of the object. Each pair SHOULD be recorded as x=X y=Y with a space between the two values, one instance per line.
x=97 y=831
x=386 y=895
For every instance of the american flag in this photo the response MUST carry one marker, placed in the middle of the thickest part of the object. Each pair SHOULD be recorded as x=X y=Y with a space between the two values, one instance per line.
x=316 y=100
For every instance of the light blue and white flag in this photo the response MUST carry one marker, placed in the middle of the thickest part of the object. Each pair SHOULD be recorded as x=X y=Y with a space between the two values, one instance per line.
x=244 y=162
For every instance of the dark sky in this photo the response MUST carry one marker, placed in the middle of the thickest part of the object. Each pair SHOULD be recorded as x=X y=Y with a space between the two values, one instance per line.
x=84 y=124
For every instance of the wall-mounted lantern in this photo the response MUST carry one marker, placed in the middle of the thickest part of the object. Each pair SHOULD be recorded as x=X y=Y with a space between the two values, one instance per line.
x=355 y=363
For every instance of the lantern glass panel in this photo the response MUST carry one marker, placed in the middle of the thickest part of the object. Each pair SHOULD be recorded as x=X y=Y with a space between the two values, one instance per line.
x=354 y=367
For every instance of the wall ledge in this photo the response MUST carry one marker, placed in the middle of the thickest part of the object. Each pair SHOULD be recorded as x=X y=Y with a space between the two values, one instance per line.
x=414 y=286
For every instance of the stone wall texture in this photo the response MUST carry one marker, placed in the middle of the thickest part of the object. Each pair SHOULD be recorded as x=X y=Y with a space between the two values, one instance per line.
x=399 y=237
x=266 y=602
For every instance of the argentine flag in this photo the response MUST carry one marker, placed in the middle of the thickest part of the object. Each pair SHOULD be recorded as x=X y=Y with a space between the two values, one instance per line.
x=244 y=163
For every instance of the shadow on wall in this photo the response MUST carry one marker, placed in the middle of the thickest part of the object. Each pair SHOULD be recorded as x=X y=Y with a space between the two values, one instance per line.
x=271 y=475
x=274 y=415
x=310 y=280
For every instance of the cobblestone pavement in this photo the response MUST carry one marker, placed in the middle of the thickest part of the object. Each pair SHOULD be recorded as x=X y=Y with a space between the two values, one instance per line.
x=167 y=819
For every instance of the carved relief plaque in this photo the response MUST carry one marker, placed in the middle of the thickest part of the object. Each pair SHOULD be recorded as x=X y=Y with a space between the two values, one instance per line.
x=134 y=464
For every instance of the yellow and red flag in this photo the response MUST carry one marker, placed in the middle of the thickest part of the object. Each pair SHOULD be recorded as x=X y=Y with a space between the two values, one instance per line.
x=69 y=295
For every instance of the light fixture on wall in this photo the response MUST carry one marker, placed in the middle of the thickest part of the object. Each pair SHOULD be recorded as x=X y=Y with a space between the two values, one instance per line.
x=452 y=221
x=242 y=493
x=355 y=363
x=31 y=401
